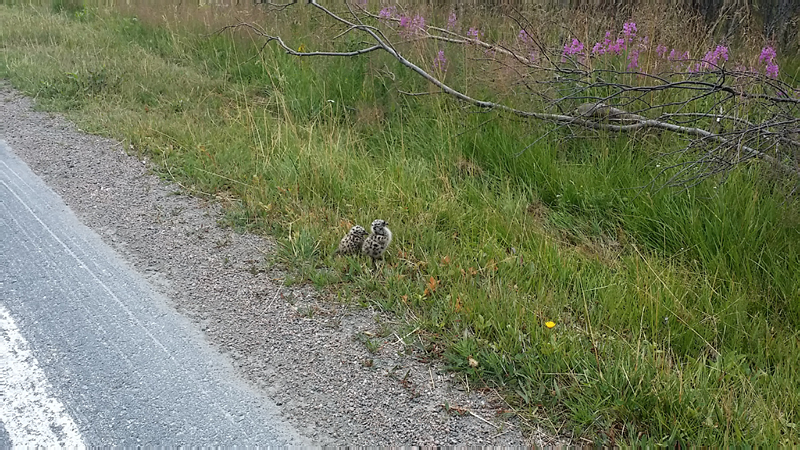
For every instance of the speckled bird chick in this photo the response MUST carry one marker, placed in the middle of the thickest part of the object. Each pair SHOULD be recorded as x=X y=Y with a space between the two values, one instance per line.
x=351 y=242
x=376 y=243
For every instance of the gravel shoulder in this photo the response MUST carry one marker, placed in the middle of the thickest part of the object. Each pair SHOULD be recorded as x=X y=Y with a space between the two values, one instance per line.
x=302 y=350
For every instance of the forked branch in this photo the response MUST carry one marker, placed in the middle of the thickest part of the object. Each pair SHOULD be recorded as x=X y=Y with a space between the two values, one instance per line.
x=729 y=117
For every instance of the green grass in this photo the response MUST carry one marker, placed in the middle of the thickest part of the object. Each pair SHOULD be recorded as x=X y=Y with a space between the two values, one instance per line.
x=677 y=311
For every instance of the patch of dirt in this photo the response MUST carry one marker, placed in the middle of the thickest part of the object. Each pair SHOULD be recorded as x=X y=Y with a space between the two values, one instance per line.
x=539 y=212
x=313 y=358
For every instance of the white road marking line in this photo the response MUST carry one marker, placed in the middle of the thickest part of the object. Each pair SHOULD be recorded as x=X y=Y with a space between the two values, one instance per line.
x=80 y=262
x=30 y=415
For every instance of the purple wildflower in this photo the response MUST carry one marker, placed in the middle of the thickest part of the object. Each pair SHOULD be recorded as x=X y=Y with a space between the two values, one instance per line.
x=629 y=31
x=440 y=62
x=721 y=51
x=533 y=56
x=768 y=56
x=707 y=62
x=633 y=59
x=387 y=12
x=451 y=21
x=675 y=56
x=772 y=69
x=524 y=37
x=418 y=24
x=712 y=57
x=615 y=46
x=412 y=27
x=474 y=33
x=661 y=50
x=573 y=48
x=601 y=49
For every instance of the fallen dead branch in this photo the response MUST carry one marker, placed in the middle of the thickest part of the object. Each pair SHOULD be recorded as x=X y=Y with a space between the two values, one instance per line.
x=727 y=117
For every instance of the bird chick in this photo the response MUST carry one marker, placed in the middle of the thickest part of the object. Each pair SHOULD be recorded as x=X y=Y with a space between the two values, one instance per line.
x=351 y=242
x=376 y=243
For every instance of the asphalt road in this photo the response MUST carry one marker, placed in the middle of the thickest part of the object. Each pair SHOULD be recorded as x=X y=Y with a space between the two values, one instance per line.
x=89 y=352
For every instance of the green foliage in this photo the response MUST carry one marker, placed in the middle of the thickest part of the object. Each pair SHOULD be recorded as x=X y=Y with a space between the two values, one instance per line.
x=73 y=8
x=676 y=311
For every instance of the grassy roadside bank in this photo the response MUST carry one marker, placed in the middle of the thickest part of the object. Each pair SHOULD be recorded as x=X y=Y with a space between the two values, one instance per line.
x=676 y=314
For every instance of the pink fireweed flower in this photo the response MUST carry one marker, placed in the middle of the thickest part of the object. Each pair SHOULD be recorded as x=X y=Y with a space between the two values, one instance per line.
x=412 y=27
x=440 y=62
x=387 y=12
x=615 y=47
x=675 y=56
x=451 y=21
x=772 y=69
x=768 y=56
x=707 y=62
x=633 y=59
x=721 y=52
x=629 y=31
x=418 y=24
x=712 y=57
x=602 y=48
x=573 y=48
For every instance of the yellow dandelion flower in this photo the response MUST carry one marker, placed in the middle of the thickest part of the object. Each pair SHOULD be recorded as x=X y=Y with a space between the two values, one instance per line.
x=549 y=324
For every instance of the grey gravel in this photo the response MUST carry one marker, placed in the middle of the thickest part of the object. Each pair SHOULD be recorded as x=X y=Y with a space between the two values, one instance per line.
x=305 y=352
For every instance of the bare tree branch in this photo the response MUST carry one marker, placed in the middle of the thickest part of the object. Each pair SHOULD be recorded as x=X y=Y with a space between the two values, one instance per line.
x=730 y=117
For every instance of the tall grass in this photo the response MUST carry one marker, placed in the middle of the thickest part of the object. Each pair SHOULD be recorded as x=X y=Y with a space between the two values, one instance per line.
x=676 y=312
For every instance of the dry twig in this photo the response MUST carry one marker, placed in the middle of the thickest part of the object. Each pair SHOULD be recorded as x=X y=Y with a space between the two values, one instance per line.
x=705 y=106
